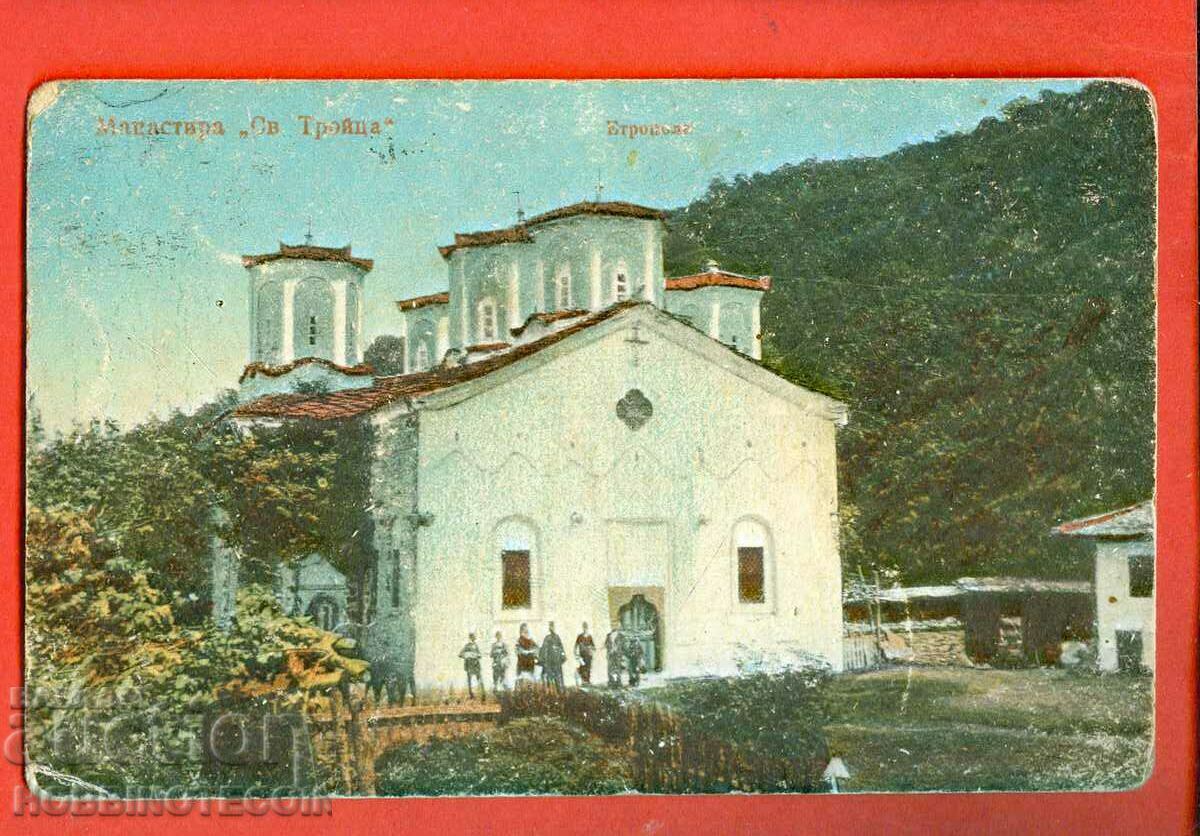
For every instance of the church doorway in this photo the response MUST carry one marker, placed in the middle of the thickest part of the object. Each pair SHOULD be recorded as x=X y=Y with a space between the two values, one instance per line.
x=640 y=622
x=324 y=612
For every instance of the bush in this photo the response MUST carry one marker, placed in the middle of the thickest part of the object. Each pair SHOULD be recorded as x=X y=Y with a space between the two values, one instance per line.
x=772 y=716
x=536 y=755
x=760 y=733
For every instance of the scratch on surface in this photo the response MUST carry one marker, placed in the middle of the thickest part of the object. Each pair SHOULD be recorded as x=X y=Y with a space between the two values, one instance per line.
x=163 y=92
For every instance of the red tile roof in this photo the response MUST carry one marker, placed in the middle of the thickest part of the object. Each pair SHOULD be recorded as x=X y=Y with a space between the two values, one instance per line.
x=719 y=278
x=547 y=317
x=412 y=304
x=1132 y=521
x=388 y=389
x=310 y=253
x=618 y=208
x=255 y=369
x=519 y=233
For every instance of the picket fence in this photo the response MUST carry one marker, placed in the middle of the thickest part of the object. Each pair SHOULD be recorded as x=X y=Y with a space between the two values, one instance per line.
x=668 y=756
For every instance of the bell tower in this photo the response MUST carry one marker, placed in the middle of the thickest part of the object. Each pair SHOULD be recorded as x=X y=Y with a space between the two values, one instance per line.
x=306 y=303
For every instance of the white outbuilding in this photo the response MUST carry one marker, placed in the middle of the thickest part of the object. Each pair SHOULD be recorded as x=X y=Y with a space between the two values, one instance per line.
x=1124 y=584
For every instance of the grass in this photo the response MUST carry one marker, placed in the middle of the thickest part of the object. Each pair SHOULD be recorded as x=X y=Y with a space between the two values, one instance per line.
x=898 y=730
x=536 y=755
x=962 y=729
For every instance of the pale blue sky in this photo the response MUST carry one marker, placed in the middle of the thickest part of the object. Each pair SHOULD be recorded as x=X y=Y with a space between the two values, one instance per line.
x=137 y=299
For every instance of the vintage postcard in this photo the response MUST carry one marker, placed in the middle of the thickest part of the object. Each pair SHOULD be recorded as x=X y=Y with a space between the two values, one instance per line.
x=475 y=438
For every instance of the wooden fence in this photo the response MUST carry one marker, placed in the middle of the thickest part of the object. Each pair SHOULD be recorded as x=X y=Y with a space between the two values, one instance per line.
x=861 y=652
x=668 y=755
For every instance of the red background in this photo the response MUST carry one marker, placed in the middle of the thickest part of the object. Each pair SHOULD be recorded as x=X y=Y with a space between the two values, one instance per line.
x=1153 y=42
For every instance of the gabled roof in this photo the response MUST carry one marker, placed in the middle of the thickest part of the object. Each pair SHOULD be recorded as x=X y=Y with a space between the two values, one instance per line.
x=1122 y=524
x=309 y=252
x=415 y=302
x=453 y=382
x=391 y=388
x=519 y=233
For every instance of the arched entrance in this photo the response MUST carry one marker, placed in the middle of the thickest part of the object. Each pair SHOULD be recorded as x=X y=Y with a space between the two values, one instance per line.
x=324 y=612
x=640 y=622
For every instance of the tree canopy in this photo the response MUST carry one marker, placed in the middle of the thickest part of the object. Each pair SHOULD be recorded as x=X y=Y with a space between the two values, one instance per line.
x=985 y=303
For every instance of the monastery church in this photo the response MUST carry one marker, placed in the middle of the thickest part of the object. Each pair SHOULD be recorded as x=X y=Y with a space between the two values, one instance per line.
x=574 y=437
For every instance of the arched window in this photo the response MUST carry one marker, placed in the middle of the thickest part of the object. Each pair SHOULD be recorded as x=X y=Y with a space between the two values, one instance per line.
x=752 y=563
x=485 y=318
x=421 y=358
x=516 y=549
x=312 y=336
x=621 y=283
x=562 y=288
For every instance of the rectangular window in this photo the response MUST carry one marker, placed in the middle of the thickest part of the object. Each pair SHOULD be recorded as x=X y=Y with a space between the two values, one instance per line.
x=1141 y=575
x=515 y=592
x=395 y=579
x=312 y=330
x=752 y=587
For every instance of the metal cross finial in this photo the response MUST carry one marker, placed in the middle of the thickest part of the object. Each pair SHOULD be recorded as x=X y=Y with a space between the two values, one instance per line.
x=635 y=342
x=520 y=211
x=599 y=188
x=308 y=236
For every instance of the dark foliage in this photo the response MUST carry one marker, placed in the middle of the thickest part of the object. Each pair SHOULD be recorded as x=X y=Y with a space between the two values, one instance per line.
x=985 y=302
x=759 y=733
x=385 y=355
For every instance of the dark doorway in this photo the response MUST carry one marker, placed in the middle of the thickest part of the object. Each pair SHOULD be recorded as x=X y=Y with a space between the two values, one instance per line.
x=640 y=622
x=1129 y=651
x=324 y=612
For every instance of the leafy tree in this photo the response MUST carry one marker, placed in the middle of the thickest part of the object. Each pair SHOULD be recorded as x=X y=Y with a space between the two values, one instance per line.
x=100 y=636
x=386 y=355
x=163 y=490
x=985 y=304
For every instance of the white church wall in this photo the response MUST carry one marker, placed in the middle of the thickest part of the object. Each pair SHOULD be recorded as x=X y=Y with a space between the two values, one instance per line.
x=548 y=448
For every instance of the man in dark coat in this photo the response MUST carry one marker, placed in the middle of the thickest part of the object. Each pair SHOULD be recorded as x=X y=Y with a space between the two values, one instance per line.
x=552 y=658
x=634 y=659
x=585 y=651
x=527 y=655
x=614 y=651
x=470 y=655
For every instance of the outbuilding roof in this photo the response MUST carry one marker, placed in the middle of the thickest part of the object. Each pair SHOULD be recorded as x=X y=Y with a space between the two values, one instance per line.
x=1122 y=524
x=309 y=252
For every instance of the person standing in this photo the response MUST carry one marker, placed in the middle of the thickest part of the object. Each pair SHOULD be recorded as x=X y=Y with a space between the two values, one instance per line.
x=614 y=652
x=499 y=664
x=553 y=656
x=470 y=655
x=585 y=651
x=527 y=654
x=634 y=659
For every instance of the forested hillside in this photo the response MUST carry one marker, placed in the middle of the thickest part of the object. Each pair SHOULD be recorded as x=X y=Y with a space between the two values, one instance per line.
x=984 y=303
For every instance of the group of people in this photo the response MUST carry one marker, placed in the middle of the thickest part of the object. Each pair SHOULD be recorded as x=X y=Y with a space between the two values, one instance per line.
x=624 y=654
